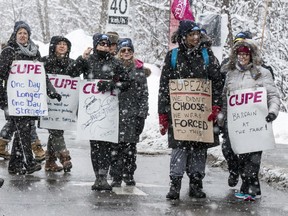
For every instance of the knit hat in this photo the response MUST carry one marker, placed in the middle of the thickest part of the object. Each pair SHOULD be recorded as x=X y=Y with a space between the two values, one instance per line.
x=100 y=37
x=187 y=26
x=114 y=37
x=244 y=49
x=22 y=24
x=125 y=42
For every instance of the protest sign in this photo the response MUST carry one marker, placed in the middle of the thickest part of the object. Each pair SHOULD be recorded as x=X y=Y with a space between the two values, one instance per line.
x=98 y=116
x=191 y=102
x=26 y=89
x=62 y=115
x=247 y=127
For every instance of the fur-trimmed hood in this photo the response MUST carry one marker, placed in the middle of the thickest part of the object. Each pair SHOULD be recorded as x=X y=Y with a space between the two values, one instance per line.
x=255 y=55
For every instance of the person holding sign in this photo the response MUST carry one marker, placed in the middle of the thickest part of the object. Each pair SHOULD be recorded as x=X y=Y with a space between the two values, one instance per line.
x=133 y=106
x=58 y=62
x=189 y=81
x=19 y=59
x=250 y=103
x=102 y=65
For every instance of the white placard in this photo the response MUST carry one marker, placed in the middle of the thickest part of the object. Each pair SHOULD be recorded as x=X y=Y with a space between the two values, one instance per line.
x=63 y=114
x=247 y=127
x=98 y=116
x=26 y=89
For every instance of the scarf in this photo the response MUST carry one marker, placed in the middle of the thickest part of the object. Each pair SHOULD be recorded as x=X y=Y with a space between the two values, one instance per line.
x=30 y=49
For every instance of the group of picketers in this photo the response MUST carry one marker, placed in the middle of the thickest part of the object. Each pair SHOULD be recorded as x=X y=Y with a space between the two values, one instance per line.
x=243 y=69
x=112 y=58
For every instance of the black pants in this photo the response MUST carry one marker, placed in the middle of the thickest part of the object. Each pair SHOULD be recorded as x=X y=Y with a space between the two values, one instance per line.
x=123 y=160
x=249 y=166
x=21 y=153
x=100 y=156
x=228 y=153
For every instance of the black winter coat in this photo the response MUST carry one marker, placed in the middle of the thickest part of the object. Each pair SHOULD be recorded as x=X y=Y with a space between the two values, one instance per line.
x=190 y=64
x=133 y=106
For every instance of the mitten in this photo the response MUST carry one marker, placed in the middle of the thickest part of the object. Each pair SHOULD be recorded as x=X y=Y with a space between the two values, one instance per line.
x=213 y=115
x=270 y=117
x=163 y=122
x=56 y=96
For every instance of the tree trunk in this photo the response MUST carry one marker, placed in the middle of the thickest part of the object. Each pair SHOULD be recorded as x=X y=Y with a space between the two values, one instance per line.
x=103 y=15
x=225 y=10
x=46 y=19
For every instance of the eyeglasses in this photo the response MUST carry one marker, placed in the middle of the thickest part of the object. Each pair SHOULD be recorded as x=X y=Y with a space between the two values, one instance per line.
x=243 y=54
x=126 y=50
x=102 y=43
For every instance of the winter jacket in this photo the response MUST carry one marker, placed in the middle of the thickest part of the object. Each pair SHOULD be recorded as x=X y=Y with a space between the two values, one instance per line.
x=190 y=64
x=10 y=53
x=133 y=104
x=255 y=76
x=54 y=65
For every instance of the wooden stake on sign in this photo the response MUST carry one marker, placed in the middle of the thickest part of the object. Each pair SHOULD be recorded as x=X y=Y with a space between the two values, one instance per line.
x=264 y=24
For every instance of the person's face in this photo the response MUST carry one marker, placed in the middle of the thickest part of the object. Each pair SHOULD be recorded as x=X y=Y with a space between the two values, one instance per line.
x=113 y=48
x=61 y=48
x=192 y=39
x=22 y=36
x=243 y=58
x=126 y=53
x=103 y=46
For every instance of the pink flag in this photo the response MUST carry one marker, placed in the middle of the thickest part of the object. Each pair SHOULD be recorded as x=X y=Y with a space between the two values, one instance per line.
x=181 y=10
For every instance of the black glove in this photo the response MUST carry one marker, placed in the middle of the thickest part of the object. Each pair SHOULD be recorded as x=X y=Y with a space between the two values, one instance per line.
x=104 y=86
x=56 y=96
x=140 y=123
x=270 y=117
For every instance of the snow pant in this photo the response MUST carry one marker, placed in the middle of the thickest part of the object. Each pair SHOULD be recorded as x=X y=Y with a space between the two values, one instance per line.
x=123 y=160
x=228 y=153
x=9 y=129
x=100 y=156
x=21 y=153
x=249 y=166
x=56 y=142
x=192 y=160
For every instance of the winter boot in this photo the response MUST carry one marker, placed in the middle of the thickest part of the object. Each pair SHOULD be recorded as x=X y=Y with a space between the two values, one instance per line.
x=129 y=180
x=175 y=186
x=65 y=160
x=195 y=189
x=117 y=181
x=101 y=184
x=51 y=164
x=38 y=151
x=1 y=182
x=35 y=167
x=3 y=149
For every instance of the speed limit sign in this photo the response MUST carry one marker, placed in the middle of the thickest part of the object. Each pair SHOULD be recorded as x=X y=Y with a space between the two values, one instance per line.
x=118 y=16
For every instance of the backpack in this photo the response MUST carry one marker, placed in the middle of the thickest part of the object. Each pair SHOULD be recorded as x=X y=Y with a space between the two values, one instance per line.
x=174 y=54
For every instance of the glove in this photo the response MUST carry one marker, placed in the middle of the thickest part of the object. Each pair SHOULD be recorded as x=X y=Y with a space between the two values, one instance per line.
x=140 y=122
x=213 y=115
x=164 y=124
x=104 y=86
x=270 y=117
x=56 y=96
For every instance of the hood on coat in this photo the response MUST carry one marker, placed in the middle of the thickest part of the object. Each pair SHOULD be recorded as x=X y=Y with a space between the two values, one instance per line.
x=54 y=41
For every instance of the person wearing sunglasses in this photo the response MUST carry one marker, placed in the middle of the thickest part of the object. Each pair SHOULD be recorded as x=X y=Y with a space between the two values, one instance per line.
x=133 y=108
x=102 y=65
x=114 y=37
x=244 y=71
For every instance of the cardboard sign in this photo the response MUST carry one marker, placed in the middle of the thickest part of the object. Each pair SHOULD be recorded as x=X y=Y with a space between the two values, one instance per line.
x=26 y=89
x=98 y=116
x=247 y=127
x=191 y=103
x=63 y=114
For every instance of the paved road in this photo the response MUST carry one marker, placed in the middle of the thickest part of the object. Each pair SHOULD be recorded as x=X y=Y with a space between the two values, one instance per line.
x=70 y=194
